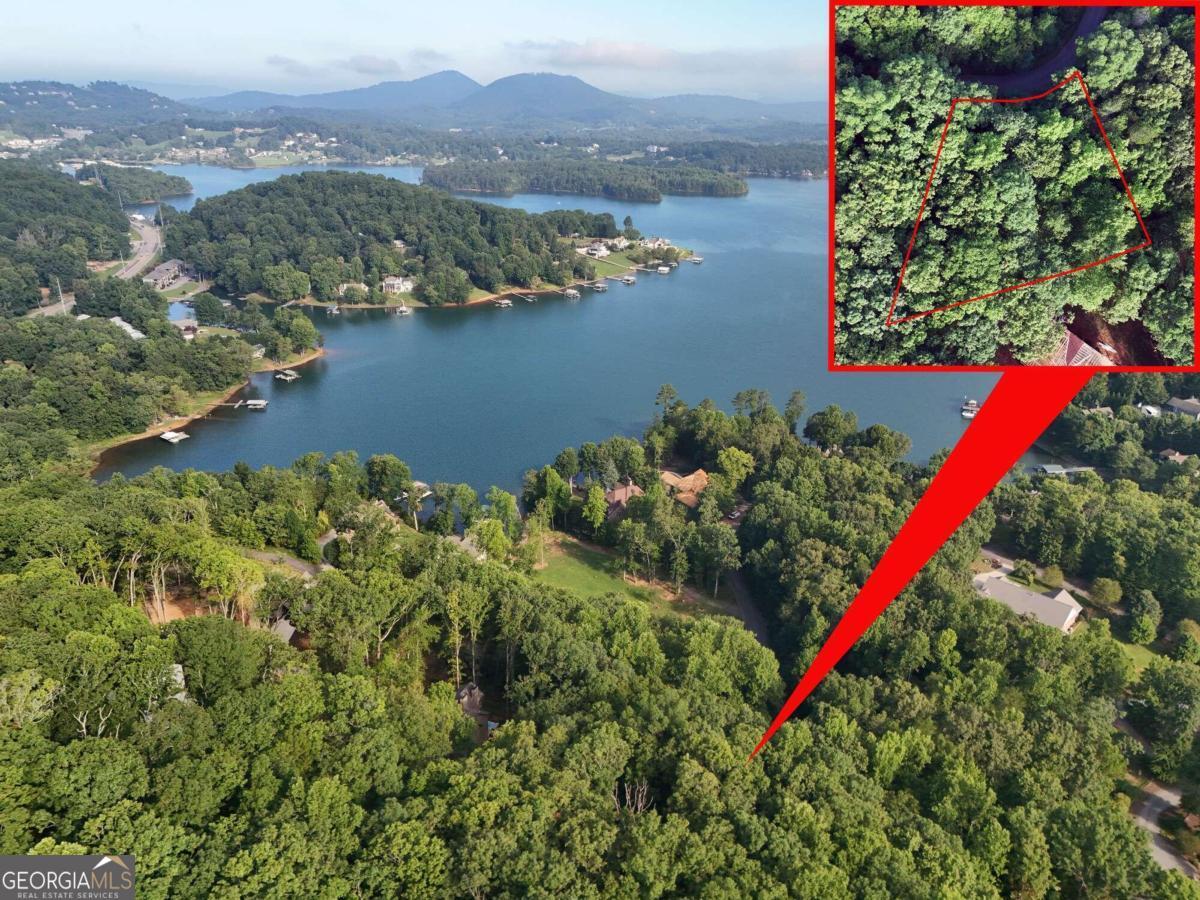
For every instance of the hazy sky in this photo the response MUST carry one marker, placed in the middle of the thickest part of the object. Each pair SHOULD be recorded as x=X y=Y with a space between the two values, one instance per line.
x=753 y=48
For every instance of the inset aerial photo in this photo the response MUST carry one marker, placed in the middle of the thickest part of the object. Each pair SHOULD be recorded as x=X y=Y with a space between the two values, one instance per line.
x=1014 y=186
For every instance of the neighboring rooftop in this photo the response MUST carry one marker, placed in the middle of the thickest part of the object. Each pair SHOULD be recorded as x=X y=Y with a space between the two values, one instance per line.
x=1059 y=610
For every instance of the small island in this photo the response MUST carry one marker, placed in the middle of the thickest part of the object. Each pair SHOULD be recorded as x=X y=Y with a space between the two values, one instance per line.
x=617 y=181
x=134 y=184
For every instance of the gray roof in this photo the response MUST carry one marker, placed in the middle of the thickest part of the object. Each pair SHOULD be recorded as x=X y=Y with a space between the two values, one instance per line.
x=1189 y=407
x=1058 y=611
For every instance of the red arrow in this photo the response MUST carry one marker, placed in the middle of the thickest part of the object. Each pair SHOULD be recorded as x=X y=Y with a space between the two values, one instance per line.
x=1022 y=405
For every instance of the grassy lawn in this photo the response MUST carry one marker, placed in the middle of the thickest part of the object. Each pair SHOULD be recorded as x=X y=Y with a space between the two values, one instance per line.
x=592 y=573
x=1139 y=655
x=180 y=290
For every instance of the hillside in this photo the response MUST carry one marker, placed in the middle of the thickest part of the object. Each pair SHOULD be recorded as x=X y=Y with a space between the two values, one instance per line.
x=439 y=89
x=33 y=107
x=315 y=231
x=50 y=226
x=616 y=181
x=132 y=184
x=451 y=98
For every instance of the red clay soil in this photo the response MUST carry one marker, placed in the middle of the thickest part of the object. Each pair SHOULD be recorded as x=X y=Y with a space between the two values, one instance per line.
x=1135 y=346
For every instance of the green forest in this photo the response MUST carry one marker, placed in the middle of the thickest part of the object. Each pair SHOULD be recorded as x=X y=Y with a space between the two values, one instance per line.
x=310 y=233
x=1021 y=190
x=49 y=229
x=133 y=184
x=958 y=752
x=616 y=181
x=65 y=383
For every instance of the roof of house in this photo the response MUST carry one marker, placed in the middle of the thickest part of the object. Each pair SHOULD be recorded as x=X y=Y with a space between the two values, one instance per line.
x=1058 y=610
x=685 y=488
x=1173 y=456
x=1190 y=405
x=1072 y=350
x=622 y=493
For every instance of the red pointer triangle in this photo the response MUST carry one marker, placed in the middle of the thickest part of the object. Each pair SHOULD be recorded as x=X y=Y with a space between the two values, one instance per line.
x=1019 y=409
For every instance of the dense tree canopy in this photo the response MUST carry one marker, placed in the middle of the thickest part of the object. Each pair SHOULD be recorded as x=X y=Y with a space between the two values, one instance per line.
x=335 y=227
x=616 y=181
x=1022 y=190
x=49 y=228
x=961 y=747
x=134 y=184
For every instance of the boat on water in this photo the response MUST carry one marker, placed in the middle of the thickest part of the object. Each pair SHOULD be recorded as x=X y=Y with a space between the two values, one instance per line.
x=503 y=303
x=571 y=294
x=629 y=279
x=287 y=375
x=174 y=437
x=664 y=270
x=333 y=311
x=695 y=260
x=403 y=310
x=673 y=264
x=256 y=404
x=970 y=408
x=599 y=287
x=530 y=298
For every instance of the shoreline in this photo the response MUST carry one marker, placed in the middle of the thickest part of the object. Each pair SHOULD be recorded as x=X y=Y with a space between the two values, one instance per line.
x=97 y=456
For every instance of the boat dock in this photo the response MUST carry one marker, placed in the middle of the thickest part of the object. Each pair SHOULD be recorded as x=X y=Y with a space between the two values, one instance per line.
x=174 y=437
x=287 y=375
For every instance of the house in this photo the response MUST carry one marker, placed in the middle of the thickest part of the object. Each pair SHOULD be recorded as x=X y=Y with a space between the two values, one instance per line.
x=1073 y=350
x=596 y=250
x=1174 y=456
x=397 y=284
x=685 y=488
x=656 y=243
x=164 y=274
x=618 y=498
x=400 y=245
x=1106 y=411
x=1059 y=610
x=346 y=285
x=1056 y=469
x=1189 y=407
x=189 y=328
x=620 y=242
x=127 y=328
x=1150 y=410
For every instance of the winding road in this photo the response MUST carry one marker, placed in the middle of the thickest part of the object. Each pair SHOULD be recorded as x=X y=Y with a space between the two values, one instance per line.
x=1041 y=76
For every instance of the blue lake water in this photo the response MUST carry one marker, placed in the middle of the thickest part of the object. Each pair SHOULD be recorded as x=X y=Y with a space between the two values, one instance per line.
x=481 y=394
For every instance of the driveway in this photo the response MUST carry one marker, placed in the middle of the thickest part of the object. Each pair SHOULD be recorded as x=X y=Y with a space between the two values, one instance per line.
x=1006 y=565
x=1155 y=800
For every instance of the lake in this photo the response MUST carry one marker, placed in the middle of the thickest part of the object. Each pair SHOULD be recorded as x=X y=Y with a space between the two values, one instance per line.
x=482 y=394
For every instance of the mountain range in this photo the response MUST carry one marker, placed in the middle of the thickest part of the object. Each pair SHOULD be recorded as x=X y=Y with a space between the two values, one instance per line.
x=452 y=98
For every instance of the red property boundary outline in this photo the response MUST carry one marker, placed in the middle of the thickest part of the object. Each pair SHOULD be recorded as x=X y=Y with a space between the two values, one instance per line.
x=831 y=198
x=1074 y=76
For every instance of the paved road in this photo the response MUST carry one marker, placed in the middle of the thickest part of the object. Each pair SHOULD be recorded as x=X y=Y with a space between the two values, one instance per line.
x=148 y=244
x=1041 y=76
x=53 y=309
